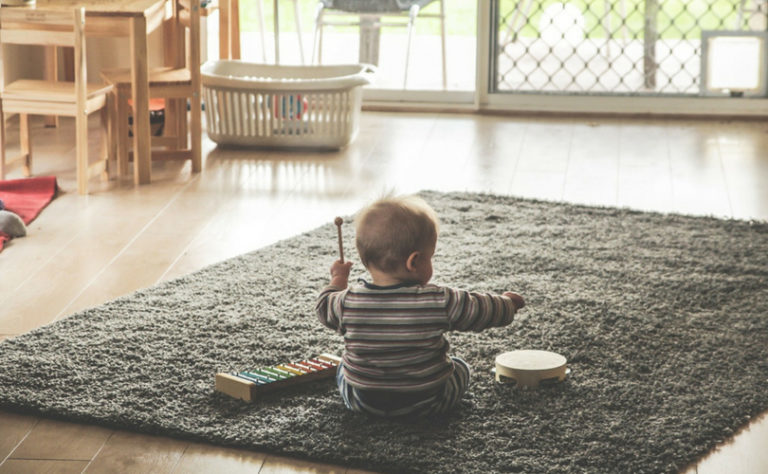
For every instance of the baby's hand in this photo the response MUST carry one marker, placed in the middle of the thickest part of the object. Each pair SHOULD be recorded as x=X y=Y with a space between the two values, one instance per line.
x=519 y=301
x=340 y=273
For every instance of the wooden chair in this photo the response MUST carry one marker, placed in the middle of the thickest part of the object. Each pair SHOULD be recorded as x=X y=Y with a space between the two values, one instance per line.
x=39 y=97
x=175 y=84
x=371 y=14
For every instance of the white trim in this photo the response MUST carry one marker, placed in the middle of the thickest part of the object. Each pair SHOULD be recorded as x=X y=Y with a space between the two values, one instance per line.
x=596 y=104
x=482 y=100
x=655 y=105
x=439 y=97
x=483 y=52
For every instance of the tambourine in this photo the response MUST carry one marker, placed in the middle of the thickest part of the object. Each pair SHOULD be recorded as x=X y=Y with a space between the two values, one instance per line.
x=529 y=368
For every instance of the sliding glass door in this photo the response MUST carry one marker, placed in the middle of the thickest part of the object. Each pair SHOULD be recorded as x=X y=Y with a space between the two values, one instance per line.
x=611 y=56
x=642 y=56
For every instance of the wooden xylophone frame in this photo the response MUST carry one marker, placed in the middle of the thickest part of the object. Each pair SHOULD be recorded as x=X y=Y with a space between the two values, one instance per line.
x=248 y=384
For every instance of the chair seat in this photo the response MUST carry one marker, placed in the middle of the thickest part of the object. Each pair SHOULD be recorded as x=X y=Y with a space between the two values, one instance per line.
x=50 y=91
x=164 y=76
x=374 y=6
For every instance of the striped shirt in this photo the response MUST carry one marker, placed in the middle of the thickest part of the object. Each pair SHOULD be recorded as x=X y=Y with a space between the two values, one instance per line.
x=394 y=335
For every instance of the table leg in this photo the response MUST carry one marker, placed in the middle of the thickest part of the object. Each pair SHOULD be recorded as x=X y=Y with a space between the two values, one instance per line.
x=51 y=74
x=234 y=28
x=224 y=29
x=229 y=29
x=142 y=159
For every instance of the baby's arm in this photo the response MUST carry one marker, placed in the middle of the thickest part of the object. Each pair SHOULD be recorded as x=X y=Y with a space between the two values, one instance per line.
x=328 y=305
x=471 y=311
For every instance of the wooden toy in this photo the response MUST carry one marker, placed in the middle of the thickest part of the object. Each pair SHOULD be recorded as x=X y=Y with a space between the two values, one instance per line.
x=248 y=384
x=529 y=368
x=338 y=221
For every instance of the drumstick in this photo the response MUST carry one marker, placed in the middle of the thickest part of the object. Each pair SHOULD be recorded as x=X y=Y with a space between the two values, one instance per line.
x=338 y=221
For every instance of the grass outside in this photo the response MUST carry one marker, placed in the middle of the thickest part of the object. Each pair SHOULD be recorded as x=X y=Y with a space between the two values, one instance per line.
x=460 y=18
x=676 y=19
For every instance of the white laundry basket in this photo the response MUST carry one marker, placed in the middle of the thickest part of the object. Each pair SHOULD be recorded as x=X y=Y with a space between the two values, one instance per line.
x=251 y=104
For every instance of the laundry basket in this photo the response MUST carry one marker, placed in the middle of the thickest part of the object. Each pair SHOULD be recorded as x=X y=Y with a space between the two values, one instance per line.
x=251 y=104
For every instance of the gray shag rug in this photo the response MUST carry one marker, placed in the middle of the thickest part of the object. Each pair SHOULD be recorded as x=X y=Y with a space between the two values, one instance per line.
x=663 y=318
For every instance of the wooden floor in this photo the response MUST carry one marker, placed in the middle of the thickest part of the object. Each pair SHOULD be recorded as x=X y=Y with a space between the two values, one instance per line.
x=83 y=251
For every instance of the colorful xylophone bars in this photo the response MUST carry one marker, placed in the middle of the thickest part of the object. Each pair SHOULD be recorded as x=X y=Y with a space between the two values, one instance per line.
x=247 y=384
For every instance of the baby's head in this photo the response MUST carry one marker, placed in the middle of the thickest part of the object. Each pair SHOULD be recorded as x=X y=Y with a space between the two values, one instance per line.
x=397 y=235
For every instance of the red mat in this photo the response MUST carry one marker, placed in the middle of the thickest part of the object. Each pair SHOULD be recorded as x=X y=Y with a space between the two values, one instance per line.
x=26 y=197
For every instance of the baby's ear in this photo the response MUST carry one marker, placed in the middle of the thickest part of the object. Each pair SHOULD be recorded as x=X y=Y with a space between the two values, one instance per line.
x=410 y=263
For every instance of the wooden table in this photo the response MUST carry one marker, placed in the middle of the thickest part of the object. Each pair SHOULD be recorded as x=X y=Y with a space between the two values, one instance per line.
x=134 y=19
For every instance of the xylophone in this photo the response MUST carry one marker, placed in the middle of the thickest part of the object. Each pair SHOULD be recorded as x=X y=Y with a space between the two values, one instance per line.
x=247 y=384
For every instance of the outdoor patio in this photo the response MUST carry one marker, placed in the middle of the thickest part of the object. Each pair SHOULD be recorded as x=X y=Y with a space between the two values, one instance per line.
x=563 y=58
x=341 y=46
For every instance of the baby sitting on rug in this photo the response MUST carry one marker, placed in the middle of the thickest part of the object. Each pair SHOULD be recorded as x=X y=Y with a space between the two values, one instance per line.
x=395 y=361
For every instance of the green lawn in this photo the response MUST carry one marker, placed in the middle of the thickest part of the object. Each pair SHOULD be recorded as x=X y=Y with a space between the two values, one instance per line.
x=676 y=18
x=460 y=17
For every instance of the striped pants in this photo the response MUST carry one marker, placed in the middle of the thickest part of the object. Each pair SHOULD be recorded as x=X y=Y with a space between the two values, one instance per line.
x=455 y=387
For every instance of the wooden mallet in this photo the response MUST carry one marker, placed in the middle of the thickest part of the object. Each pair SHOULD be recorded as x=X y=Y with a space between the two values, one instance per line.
x=338 y=221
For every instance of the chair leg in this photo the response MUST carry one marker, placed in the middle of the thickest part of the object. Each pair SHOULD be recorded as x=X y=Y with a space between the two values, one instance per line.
x=25 y=144
x=121 y=129
x=442 y=40
x=181 y=123
x=297 y=15
x=317 y=36
x=111 y=115
x=50 y=73
x=2 y=142
x=262 y=30
x=234 y=28
x=197 y=131
x=170 y=115
x=81 y=148
x=105 y=154
x=174 y=112
x=412 y=13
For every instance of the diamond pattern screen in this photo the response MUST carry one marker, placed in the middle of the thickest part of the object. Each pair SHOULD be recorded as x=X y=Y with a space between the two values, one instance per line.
x=631 y=47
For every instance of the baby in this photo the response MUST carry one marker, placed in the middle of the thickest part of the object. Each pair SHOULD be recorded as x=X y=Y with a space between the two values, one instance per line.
x=395 y=361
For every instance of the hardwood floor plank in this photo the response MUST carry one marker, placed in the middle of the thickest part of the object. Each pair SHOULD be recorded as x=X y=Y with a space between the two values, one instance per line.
x=284 y=465
x=42 y=466
x=546 y=147
x=494 y=155
x=14 y=428
x=49 y=293
x=86 y=250
x=593 y=165
x=745 y=454
x=136 y=453
x=743 y=153
x=204 y=459
x=645 y=180
x=59 y=440
x=695 y=166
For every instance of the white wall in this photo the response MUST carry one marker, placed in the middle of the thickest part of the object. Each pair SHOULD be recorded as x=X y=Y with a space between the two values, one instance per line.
x=22 y=61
